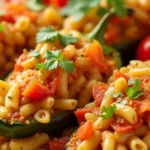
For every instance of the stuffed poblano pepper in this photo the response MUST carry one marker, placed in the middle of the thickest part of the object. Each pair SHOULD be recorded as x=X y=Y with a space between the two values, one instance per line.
x=51 y=81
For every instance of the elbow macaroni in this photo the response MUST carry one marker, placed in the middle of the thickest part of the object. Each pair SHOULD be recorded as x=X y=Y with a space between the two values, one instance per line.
x=125 y=126
x=30 y=143
x=12 y=98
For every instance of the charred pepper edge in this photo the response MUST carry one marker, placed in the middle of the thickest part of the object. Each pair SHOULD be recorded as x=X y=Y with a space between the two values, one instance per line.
x=60 y=121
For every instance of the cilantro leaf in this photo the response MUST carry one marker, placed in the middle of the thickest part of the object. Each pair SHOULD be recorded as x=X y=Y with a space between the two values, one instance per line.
x=40 y=66
x=135 y=91
x=55 y=59
x=131 y=81
x=115 y=95
x=120 y=8
x=122 y=102
x=67 y=65
x=108 y=112
x=34 y=53
x=79 y=8
x=102 y=11
x=54 y=55
x=66 y=39
x=35 y=5
x=48 y=34
x=52 y=64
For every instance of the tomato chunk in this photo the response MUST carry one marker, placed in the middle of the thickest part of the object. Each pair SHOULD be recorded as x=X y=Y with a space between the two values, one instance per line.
x=58 y=144
x=18 y=67
x=96 y=56
x=80 y=113
x=144 y=106
x=122 y=126
x=98 y=92
x=117 y=74
x=52 y=83
x=36 y=91
x=85 y=131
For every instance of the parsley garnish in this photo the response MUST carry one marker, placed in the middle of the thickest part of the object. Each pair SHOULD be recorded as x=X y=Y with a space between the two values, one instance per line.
x=119 y=7
x=79 y=8
x=135 y=91
x=40 y=66
x=34 y=53
x=35 y=5
x=48 y=34
x=122 y=102
x=108 y=112
x=131 y=81
x=55 y=59
x=9 y=97
x=116 y=95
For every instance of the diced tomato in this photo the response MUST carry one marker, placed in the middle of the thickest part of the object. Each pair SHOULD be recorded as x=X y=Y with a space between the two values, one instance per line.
x=7 y=17
x=121 y=125
x=80 y=113
x=36 y=91
x=98 y=92
x=58 y=3
x=18 y=67
x=58 y=144
x=16 y=10
x=117 y=74
x=52 y=82
x=85 y=131
x=144 y=106
x=62 y=3
x=96 y=56
x=120 y=21
x=111 y=35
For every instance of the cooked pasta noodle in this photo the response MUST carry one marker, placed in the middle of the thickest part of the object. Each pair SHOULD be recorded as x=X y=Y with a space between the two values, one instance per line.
x=123 y=114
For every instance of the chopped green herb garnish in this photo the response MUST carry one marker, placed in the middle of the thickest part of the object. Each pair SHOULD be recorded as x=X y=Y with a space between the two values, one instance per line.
x=40 y=66
x=122 y=102
x=131 y=81
x=135 y=91
x=119 y=6
x=55 y=59
x=48 y=34
x=116 y=95
x=79 y=8
x=1 y=28
x=35 y=5
x=66 y=39
x=118 y=100
x=108 y=112
x=34 y=53
x=9 y=97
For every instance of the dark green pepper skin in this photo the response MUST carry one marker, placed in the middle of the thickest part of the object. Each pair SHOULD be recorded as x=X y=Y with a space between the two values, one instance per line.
x=59 y=121
x=127 y=51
